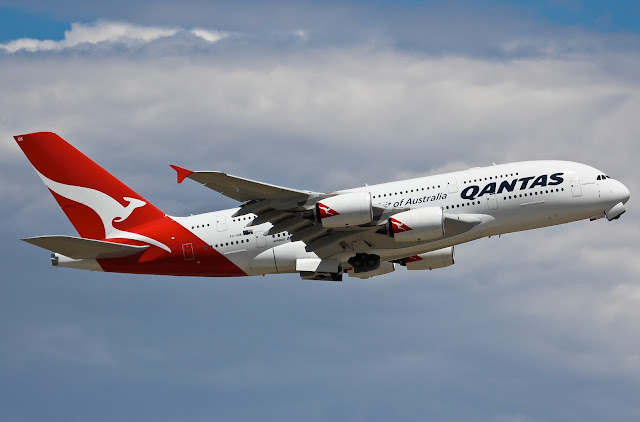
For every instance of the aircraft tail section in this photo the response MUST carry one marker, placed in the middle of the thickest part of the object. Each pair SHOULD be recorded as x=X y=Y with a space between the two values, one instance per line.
x=98 y=205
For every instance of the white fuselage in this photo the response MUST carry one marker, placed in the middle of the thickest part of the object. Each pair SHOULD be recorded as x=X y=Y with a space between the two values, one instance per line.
x=506 y=198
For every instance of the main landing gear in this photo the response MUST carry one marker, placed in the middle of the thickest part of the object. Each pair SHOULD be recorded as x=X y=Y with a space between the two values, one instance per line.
x=363 y=262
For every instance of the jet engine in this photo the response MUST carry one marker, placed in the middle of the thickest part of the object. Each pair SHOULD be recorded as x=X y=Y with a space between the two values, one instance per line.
x=615 y=212
x=348 y=209
x=417 y=225
x=430 y=260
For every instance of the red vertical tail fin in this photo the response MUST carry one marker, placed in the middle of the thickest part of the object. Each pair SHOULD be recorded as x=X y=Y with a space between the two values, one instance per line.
x=98 y=205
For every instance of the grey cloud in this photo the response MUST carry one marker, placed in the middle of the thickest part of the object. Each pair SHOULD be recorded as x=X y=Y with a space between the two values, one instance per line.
x=530 y=326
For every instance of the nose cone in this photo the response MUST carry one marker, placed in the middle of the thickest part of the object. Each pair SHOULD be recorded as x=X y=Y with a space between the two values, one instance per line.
x=623 y=192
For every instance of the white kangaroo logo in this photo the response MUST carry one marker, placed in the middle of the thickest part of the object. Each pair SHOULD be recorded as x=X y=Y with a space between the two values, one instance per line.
x=133 y=204
x=329 y=212
x=108 y=209
x=399 y=226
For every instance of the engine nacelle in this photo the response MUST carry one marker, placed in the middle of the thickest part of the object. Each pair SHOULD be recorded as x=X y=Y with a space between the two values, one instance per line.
x=615 y=212
x=417 y=225
x=348 y=209
x=430 y=260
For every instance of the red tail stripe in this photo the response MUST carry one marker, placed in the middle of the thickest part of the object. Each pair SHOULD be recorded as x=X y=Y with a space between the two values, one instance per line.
x=57 y=160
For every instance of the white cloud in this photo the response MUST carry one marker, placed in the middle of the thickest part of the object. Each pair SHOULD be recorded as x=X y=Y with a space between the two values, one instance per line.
x=208 y=35
x=304 y=35
x=101 y=31
x=113 y=31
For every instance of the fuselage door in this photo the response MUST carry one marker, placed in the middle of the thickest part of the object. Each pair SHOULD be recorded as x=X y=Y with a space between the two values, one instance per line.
x=576 y=189
x=452 y=185
x=221 y=223
x=492 y=201
x=261 y=240
x=187 y=251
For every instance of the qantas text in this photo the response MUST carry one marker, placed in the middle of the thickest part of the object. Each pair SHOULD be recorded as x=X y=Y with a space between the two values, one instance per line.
x=473 y=192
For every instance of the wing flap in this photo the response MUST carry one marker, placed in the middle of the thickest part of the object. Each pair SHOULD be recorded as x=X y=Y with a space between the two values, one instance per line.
x=270 y=216
x=317 y=265
x=291 y=225
x=80 y=248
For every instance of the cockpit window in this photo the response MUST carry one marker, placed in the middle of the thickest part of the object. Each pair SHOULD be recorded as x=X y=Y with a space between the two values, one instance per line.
x=602 y=177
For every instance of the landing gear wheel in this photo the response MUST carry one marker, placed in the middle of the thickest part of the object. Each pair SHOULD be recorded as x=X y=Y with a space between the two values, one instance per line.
x=363 y=262
x=336 y=276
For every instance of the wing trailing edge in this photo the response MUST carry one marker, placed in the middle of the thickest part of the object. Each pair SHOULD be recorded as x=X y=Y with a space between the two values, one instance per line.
x=242 y=189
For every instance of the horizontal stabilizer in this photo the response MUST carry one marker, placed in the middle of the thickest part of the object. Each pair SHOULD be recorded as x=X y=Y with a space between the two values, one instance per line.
x=80 y=248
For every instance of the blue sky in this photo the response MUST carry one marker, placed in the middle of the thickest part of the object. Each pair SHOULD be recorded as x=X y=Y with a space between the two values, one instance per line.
x=528 y=327
x=614 y=16
x=46 y=21
x=17 y=23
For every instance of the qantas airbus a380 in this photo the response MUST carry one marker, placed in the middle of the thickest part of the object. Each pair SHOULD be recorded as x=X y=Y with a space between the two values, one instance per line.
x=363 y=232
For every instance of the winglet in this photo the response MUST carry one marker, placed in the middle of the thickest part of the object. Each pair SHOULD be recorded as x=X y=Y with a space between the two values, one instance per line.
x=182 y=173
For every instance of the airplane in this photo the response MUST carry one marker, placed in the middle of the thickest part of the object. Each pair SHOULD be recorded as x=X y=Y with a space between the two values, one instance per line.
x=363 y=232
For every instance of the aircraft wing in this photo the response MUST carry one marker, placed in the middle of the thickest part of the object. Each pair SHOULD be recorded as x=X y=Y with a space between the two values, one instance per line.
x=283 y=207
x=242 y=189
x=286 y=209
